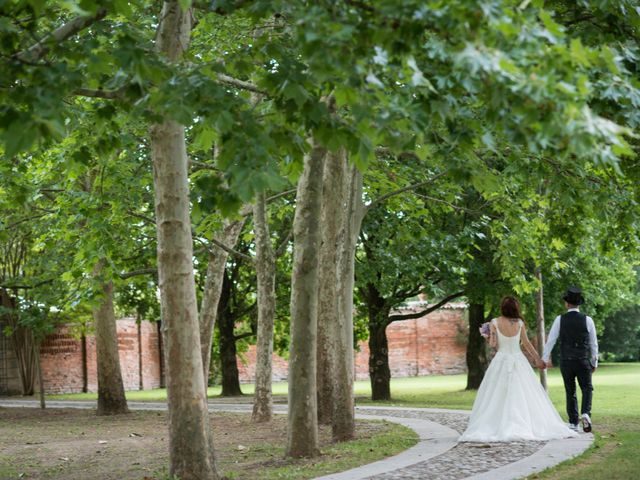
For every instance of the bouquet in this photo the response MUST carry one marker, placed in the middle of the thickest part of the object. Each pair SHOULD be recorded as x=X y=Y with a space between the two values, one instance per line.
x=485 y=330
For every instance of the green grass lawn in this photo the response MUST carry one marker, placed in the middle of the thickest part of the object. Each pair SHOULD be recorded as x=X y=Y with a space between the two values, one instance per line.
x=616 y=413
x=616 y=391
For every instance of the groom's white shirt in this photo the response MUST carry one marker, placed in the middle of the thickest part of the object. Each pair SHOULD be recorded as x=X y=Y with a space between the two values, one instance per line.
x=554 y=333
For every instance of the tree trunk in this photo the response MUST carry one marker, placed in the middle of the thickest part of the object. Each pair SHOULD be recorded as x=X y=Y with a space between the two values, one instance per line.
x=343 y=421
x=540 y=325
x=40 y=378
x=302 y=431
x=332 y=231
x=24 y=346
x=231 y=229
x=111 y=398
x=190 y=440
x=379 y=372
x=229 y=362
x=23 y=342
x=476 y=349
x=266 y=276
x=228 y=354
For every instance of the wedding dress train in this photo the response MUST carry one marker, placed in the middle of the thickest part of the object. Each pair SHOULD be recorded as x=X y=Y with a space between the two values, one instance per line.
x=511 y=404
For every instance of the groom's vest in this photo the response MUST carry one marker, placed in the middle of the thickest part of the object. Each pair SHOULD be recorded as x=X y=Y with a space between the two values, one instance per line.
x=574 y=336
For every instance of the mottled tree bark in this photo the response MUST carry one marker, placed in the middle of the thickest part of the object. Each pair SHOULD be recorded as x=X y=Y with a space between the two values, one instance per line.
x=302 y=431
x=333 y=218
x=266 y=276
x=476 y=349
x=229 y=234
x=190 y=440
x=343 y=420
x=111 y=398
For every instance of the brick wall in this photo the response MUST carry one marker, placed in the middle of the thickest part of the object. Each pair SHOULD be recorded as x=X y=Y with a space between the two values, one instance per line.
x=150 y=355
x=61 y=362
x=247 y=366
x=129 y=354
x=426 y=346
x=61 y=358
x=431 y=345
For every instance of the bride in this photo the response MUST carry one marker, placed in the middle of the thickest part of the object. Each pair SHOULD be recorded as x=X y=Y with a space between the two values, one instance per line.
x=511 y=404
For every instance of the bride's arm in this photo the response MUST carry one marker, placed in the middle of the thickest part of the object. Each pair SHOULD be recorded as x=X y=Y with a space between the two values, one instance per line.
x=493 y=337
x=526 y=345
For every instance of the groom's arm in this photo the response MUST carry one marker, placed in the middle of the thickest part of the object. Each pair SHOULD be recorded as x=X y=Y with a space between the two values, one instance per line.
x=593 y=342
x=551 y=340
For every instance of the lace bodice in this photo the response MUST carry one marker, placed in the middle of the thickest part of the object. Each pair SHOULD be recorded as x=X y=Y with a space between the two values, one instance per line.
x=508 y=344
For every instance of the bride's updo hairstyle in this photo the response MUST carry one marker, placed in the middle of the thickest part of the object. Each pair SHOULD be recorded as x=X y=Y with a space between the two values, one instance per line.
x=510 y=308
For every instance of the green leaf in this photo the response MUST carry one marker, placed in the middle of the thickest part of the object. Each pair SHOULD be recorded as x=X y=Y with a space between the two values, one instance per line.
x=205 y=138
x=296 y=92
x=364 y=155
x=224 y=122
x=609 y=57
x=19 y=137
x=579 y=54
x=123 y=7
x=554 y=28
x=583 y=85
x=557 y=244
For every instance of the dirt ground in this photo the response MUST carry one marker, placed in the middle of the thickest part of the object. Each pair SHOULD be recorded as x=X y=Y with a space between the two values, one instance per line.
x=72 y=444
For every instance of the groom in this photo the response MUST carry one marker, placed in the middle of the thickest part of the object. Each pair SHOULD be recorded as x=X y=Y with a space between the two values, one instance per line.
x=578 y=355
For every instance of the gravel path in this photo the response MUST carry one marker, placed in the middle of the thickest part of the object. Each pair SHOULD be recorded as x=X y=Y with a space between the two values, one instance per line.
x=462 y=460
x=437 y=456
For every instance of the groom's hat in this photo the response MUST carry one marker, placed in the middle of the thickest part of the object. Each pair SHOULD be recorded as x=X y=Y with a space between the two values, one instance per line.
x=573 y=296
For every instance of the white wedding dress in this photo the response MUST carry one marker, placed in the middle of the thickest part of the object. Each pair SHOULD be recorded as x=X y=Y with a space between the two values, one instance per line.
x=511 y=404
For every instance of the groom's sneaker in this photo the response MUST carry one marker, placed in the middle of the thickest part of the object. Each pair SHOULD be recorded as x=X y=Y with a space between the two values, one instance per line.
x=573 y=426
x=586 y=423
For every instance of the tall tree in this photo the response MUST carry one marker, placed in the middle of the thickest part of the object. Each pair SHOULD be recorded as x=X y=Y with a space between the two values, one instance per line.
x=237 y=304
x=111 y=398
x=332 y=231
x=266 y=276
x=191 y=441
x=343 y=419
x=302 y=432
x=213 y=287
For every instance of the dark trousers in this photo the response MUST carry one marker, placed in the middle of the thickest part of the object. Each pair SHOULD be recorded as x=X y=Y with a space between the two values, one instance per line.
x=580 y=369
